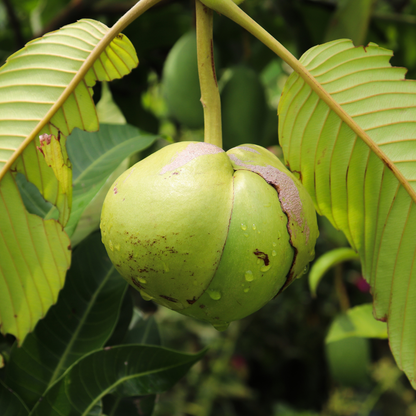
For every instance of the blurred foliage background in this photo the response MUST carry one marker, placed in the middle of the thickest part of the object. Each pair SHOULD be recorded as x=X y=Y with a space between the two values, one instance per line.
x=275 y=362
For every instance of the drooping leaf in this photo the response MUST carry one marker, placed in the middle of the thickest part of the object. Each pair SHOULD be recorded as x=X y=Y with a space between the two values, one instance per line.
x=361 y=172
x=325 y=262
x=357 y=322
x=46 y=88
x=131 y=370
x=81 y=322
x=10 y=403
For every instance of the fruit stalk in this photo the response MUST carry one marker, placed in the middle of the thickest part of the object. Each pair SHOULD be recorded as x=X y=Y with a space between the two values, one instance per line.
x=210 y=96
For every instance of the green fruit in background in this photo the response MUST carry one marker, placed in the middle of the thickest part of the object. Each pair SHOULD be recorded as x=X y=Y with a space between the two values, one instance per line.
x=349 y=361
x=244 y=107
x=209 y=234
x=348 y=358
x=181 y=83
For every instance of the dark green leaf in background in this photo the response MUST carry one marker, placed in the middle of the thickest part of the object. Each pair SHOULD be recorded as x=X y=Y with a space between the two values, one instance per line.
x=81 y=321
x=132 y=370
x=10 y=403
x=95 y=156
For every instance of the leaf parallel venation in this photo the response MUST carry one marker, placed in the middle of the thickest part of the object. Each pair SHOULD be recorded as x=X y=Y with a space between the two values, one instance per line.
x=34 y=78
x=360 y=189
x=38 y=97
x=28 y=286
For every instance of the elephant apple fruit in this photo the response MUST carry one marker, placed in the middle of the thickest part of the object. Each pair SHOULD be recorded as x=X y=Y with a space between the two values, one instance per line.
x=210 y=234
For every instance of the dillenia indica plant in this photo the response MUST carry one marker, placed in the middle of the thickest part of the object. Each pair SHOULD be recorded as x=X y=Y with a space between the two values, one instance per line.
x=211 y=234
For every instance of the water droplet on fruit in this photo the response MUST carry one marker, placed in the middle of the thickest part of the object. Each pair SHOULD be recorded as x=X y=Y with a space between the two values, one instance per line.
x=141 y=280
x=214 y=294
x=165 y=267
x=110 y=226
x=258 y=232
x=266 y=268
x=306 y=269
x=110 y=244
x=117 y=247
x=268 y=205
x=279 y=234
x=249 y=276
x=258 y=261
x=145 y=296
x=274 y=244
x=221 y=326
x=274 y=253
x=245 y=234
x=246 y=290
x=243 y=227
x=254 y=227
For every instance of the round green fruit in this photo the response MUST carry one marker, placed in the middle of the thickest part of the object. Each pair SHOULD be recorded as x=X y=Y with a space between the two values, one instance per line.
x=210 y=234
x=244 y=107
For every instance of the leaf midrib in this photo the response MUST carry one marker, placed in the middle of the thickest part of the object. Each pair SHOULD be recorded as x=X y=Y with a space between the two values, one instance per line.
x=68 y=348
x=126 y=378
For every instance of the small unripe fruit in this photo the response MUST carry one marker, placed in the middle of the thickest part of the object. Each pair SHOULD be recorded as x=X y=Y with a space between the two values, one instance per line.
x=243 y=106
x=180 y=83
x=209 y=234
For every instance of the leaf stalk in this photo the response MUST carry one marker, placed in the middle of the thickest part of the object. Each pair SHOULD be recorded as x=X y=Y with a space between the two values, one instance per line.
x=210 y=96
x=232 y=11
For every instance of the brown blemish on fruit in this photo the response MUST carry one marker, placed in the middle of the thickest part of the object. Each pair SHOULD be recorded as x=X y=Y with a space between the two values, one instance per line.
x=170 y=299
x=191 y=301
x=262 y=256
x=191 y=152
x=115 y=190
x=287 y=191
x=202 y=306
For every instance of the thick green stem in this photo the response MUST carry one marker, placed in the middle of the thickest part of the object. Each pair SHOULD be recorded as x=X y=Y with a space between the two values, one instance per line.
x=210 y=96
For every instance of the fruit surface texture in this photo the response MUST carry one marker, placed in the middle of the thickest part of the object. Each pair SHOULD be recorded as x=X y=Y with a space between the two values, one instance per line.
x=211 y=234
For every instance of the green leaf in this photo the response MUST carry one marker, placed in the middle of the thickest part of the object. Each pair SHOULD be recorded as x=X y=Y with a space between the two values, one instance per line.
x=143 y=331
x=95 y=157
x=130 y=406
x=350 y=21
x=356 y=322
x=326 y=262
x=82 y=321
x=107 y=110
x=46 y=89
x=356 y=157
x=10 y=403
x=132 y=370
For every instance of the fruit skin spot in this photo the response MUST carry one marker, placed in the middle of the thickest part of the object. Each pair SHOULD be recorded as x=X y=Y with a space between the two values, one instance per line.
x=170 y=299
x=262 y=256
